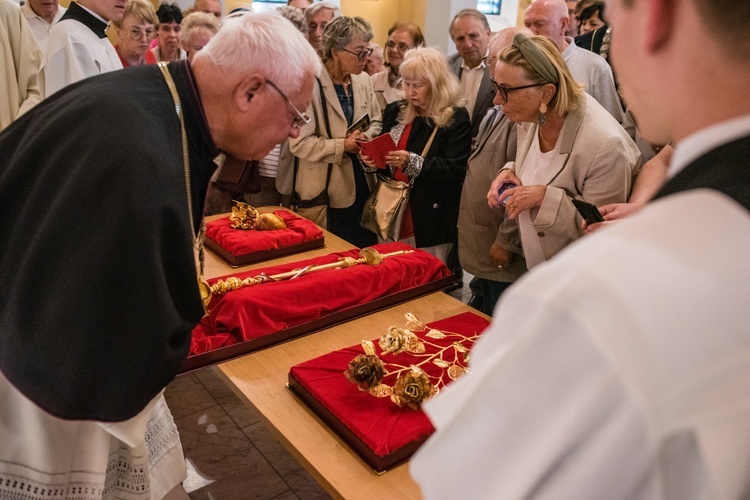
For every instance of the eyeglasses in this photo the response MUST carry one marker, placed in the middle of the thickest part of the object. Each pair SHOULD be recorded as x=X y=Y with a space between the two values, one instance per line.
x=362 y=54
x=401 y=47
x=301 y=117
x=503 y=91
x=135 y=34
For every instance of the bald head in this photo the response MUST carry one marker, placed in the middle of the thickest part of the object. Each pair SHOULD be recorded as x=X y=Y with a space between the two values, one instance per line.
x=548 y=18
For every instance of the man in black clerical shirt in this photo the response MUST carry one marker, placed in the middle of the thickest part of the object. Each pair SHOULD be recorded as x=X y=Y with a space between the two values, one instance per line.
x=99 y=282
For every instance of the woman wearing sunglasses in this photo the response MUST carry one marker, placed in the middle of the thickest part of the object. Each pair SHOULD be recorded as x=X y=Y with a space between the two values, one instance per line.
x=569 y=147
x=326 y=168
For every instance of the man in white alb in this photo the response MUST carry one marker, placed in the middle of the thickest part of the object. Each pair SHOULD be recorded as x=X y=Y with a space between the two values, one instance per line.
x=620 y=368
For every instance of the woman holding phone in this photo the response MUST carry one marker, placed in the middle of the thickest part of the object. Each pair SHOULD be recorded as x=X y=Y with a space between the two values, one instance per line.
x=569 y=147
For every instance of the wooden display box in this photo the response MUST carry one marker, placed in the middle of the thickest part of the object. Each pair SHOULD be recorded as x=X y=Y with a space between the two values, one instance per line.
x=241 y=248
x=383 y=434
x=250 y=319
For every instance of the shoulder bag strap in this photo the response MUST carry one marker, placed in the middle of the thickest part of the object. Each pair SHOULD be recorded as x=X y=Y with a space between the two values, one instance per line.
x=429 y=142
x=328 y=132
x=328 y=127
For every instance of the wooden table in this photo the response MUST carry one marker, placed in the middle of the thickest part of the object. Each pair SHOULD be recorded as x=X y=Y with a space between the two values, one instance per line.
x=260 y=378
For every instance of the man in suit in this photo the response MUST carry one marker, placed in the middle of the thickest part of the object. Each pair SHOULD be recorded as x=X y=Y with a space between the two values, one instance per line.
x=470 y=32
x=620 y=369
x=478 y=223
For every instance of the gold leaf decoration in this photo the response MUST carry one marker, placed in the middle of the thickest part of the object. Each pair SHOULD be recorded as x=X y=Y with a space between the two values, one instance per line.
x=455 y=372
x=381 y=391
x=413 y=323
x=369 y=347
x=459 y=347
x=435 y=334
x=415 y=345
x=441 y=363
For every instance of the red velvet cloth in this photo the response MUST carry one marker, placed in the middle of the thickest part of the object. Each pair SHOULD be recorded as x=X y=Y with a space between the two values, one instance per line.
x=267 y=308
x=240 y=242
x=378 y=422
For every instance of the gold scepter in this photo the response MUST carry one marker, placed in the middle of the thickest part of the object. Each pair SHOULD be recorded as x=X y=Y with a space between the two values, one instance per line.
x=368 y=256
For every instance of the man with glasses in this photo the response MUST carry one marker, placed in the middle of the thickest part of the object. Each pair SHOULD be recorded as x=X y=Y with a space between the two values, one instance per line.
x=105 y=183
x=78 y=47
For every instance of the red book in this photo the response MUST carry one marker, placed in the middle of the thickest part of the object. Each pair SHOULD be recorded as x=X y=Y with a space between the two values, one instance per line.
x=377 y=148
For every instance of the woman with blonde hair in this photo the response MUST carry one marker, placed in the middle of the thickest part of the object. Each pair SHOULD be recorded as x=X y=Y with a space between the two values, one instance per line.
x=432 y=133
x=135 y=30
x=569 y=148
x=197 y=30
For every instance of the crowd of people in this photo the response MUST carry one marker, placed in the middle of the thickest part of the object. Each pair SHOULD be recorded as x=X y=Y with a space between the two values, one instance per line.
x=498 y=142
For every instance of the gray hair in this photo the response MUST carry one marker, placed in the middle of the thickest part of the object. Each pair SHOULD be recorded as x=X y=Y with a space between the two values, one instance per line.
x=340 y=32
x=263 y=42
x=316 y=6
x=196 y=20
x=470 y=13
x=295 y=15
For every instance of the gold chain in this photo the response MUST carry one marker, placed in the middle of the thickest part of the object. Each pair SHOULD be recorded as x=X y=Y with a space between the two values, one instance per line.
x=197 y=238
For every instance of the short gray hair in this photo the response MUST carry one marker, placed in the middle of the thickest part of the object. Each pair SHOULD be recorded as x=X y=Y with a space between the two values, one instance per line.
x=295 y=16
x=469 y=13
x=339 y=33
x=316 y=6
x=263 y=42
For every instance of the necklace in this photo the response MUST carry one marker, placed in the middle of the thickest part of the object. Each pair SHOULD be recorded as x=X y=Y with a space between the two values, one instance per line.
x=550 y=142
x=203 y=287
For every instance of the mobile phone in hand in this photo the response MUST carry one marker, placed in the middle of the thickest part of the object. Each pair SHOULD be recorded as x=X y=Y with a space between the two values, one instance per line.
x=503 y=188
x=588 y=211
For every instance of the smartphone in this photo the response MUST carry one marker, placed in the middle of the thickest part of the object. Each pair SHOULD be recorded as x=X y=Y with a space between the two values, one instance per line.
x=503 y=188
x=588 y=211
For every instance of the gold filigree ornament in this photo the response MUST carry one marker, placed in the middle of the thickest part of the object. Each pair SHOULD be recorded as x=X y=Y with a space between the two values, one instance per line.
x=455 y=372
x=435 y=334
x=411 y=384
x=396 y=340
x=381 y=391
x=246 y=217
x=413 y=323
x=412 y=388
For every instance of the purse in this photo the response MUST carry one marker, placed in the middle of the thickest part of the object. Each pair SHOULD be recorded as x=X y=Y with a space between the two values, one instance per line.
x=239 y=176
x=385 y=207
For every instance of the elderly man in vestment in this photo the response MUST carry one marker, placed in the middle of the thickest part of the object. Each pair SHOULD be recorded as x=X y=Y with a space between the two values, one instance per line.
x=620 y=368
x=104 y=185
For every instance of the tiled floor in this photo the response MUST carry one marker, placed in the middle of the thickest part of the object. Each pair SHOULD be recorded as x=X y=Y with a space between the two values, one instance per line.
x=229 y=452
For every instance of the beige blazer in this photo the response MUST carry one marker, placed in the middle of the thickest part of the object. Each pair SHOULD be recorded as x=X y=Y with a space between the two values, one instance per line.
x=480 y=225
x=597 y=162
x=315 y=149
x=20 y=60
x=384 y=93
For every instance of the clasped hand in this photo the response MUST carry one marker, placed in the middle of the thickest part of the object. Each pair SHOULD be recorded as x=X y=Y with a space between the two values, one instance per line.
x=517 y=199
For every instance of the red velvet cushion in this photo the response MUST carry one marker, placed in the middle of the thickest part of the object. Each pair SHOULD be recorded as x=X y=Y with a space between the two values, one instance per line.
x=267 y=308
x=240 y=242
x=378 y=422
